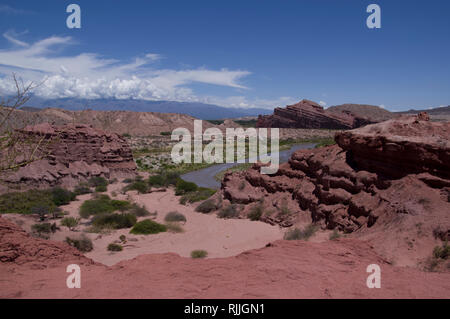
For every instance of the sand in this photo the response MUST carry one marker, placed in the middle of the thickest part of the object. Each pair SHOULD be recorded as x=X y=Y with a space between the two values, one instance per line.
x=219 y=237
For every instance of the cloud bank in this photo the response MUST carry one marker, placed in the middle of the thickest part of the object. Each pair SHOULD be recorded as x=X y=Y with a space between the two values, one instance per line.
x=91 y=76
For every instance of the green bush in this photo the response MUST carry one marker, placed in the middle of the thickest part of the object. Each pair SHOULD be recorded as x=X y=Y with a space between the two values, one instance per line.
x=138 y=185
x=114 y=247
x=228 y=212
x=98 y=205
x=183 y=187
x=61 y=196
x=298 y=234
x=334 y=235
x=147 y=227
x=115 y=221
x=175 y=217
x=97 y=181
x=256 y=212
x=46 y=228
x=206 y=207
x=199 y=253
x=441 y=252
x=157 y=180
x=174 y=228
x=165 y=133
x=123 y=238
x=200 y=194
x=82 y=189
x=41 y=211
x=102 y=204
x=139 y=211
x=83 y=244
x=23 y=202
x=69 y=222
x=101 y=188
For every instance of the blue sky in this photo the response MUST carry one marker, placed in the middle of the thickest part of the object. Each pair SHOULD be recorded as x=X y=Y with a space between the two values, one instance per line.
x=245 y=53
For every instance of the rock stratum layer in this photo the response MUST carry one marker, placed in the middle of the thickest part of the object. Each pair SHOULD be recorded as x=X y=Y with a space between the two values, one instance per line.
x=387 y=182
x=308 y=114
x=71 y=153
x=36 y=268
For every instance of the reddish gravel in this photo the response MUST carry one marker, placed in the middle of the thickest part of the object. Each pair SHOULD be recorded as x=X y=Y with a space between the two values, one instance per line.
x=285 y=269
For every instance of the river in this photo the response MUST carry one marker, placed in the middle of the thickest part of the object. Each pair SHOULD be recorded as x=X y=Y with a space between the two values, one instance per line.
x=205 y=177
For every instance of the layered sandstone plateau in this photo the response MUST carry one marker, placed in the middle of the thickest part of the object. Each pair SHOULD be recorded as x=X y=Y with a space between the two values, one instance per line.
x=388 y=183
x=308 y=114
x=71 y=153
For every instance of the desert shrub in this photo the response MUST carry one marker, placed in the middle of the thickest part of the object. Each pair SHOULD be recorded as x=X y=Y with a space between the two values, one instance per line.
x=121 y=205
x=122 y=238
x=147 y=227
x=46 y=228
x=175 y=217
x=325 y=142
x=174 y=228
x=200 y=194
x=126 y=135
x=442 y=252
x=98 y=205
x=82 y=189
x=334 y=235
x=115 y=221
x=128 y=180
x=138 y=211
x=114 y=247
x=199 y=253
x=83 y=243
x=298 y=234
x=69 y=222
x=138 y=185
x=61 y=196
x=206 y=207
x=228 y=212
x=256 y=212
x=95 y=181
x=165 y=133
x=23 y=202
x=102 y=204
x=183 y=187
x=157 y=180
x=101 y=188
x=42 y=211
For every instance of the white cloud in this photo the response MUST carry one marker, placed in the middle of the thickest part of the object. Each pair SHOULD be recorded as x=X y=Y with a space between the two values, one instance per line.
x=90 y=75
x=322 y=103
x=11 y=36
x=382 y=106
x=10 y=10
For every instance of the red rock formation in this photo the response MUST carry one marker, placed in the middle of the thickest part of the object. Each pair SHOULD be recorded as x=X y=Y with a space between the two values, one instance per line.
x=73 y=152
x=308 y=114
x=393 y=175
x=36 y=268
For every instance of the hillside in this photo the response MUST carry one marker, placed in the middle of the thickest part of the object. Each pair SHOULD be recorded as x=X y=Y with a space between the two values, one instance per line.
x=198 y=110
x=371 y=112
x=120 y=122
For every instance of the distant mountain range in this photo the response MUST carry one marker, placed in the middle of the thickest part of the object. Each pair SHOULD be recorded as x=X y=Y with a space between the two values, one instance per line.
x=198 y=110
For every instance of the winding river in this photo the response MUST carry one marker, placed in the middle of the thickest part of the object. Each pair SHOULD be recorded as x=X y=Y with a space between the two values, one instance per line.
x=205 y=177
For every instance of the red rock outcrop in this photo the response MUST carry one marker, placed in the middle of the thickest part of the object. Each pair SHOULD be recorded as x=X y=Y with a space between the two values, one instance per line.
x=387 y=181
x=36 y=268
x=308 y=114
x=71 y=153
